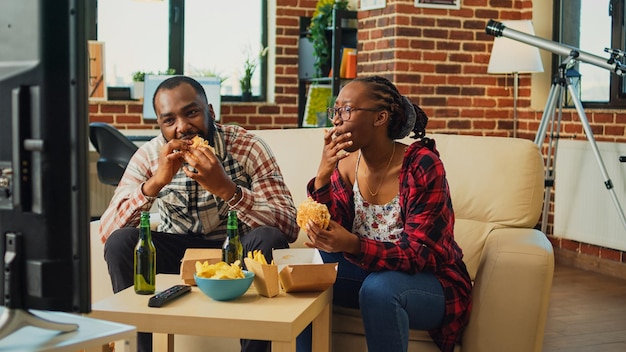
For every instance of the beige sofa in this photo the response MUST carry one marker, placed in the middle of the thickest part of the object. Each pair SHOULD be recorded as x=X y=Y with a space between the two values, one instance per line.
x=497 y=193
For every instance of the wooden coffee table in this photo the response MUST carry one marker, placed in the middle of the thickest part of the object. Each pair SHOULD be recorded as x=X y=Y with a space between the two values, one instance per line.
x=279 y=319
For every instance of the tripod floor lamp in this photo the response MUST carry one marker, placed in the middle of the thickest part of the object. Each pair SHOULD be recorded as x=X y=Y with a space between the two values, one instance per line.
x=510 y=56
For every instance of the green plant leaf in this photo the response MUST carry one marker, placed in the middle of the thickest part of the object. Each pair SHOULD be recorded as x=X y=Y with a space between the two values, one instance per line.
x=321 y=20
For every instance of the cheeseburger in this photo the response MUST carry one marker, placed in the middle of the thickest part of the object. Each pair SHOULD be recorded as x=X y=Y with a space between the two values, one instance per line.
x=312 y=210
x=199 y=142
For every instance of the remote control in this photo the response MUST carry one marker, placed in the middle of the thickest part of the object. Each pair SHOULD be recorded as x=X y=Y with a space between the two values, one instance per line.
x=164 y=297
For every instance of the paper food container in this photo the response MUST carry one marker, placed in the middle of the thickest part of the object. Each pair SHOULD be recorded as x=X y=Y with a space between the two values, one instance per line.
x=265 y=277
x=302 y=269
x=193 y=255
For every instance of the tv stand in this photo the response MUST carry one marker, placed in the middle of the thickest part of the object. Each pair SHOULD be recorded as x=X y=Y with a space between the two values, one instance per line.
x=15 y=319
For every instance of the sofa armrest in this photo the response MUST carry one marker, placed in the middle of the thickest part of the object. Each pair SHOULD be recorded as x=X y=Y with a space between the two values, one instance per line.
x=511 y=292
x=100 y=281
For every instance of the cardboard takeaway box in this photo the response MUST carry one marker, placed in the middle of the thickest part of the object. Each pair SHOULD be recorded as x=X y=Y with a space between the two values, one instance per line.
x=193 y=255
x=302 y=269
x=297 y=270
x=265 y=277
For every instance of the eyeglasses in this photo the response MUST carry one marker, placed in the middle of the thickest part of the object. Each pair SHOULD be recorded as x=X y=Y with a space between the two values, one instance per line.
x=347 y=110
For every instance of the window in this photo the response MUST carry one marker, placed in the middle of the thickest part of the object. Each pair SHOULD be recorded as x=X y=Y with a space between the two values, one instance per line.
x=218 y=40
x=193 y=37
x=591 y=26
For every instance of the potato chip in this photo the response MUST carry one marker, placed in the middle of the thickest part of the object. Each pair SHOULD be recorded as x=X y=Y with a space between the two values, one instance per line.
x=219 y=270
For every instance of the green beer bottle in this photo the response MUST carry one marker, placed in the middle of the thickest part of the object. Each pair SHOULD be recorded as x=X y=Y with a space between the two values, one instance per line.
x=145 y=258
x=232 y=250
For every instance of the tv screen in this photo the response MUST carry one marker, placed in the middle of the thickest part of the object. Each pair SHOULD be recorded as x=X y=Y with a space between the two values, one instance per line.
x=44 y=208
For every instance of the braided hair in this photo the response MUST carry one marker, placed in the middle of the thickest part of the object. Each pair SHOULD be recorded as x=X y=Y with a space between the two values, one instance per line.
x=405 y=117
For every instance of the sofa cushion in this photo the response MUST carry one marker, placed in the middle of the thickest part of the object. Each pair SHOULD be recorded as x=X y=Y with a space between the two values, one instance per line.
x=493 y=179
x=471 y=236
x=494 y=182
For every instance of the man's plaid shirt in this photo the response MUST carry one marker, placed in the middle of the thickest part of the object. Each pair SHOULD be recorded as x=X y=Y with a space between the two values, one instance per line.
x=186 y=208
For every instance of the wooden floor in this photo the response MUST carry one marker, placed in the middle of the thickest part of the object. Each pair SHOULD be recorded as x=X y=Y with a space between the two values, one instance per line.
x=587 y=312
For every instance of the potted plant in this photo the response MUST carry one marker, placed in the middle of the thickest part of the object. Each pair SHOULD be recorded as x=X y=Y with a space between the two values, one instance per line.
x=249 y=66
x=138 y=83
x=320 y=21
x=139 y=78
x=209 y=73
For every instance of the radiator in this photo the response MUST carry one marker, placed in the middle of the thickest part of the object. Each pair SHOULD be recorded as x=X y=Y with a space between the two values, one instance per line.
x=100 y=194
x=584 y=209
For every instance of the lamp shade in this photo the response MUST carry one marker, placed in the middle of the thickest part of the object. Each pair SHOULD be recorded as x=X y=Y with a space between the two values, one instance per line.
x=508 y=55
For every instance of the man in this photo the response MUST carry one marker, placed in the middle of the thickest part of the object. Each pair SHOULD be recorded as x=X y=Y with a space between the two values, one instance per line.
x=194 y=188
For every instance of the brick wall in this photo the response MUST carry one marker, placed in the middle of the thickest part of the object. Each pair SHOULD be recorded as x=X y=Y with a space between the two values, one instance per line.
x=438 y=58
x=128 y=115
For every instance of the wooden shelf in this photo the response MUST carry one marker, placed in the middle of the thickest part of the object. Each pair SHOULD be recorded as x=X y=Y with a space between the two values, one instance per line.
x=342 y=33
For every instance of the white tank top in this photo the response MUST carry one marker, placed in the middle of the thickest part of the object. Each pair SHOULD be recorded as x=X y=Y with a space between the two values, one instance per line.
x=379 y=222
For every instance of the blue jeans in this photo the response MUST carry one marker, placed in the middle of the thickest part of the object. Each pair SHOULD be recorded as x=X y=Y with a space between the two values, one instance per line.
x=391 y=303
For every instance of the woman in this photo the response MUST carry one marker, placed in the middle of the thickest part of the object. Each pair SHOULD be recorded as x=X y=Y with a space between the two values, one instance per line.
x=392 y=220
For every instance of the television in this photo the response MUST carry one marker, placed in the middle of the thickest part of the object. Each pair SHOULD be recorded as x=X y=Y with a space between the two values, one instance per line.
x=44 y=208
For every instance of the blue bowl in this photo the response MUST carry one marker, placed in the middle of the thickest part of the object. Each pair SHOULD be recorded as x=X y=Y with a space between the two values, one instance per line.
x=225 y=289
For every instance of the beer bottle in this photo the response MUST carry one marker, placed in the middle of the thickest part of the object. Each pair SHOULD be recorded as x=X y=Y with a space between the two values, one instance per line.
x=232 y=250
x=145 y=258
